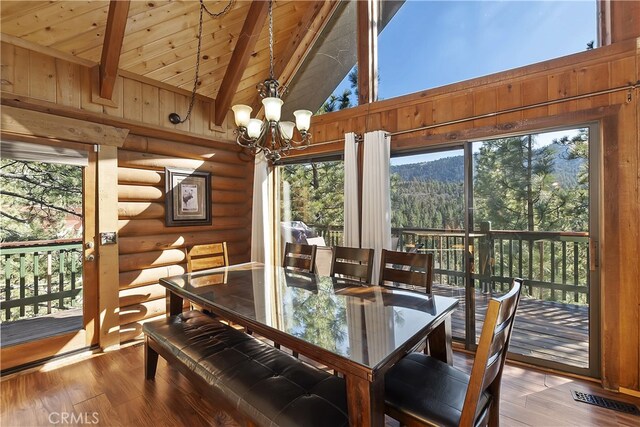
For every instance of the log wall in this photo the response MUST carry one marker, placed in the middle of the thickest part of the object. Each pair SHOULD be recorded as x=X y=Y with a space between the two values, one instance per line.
x=560 y=92
x=148 y=249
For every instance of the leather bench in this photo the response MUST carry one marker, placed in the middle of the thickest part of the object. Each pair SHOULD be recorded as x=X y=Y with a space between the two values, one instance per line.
x=257 y=383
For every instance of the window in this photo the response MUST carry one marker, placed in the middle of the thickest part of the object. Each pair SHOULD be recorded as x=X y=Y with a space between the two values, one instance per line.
x=312 y=202
x=429 y=44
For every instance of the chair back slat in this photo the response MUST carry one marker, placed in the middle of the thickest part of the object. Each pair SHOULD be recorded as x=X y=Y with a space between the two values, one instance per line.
x=300 y=257
x=352 y=263
x=411 y=269
x=203 y=257
x=491 y=354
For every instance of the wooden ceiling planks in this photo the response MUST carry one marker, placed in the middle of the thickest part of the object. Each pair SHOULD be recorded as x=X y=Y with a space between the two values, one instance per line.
x=45 y=15
x=160 y=41
x=245 y=44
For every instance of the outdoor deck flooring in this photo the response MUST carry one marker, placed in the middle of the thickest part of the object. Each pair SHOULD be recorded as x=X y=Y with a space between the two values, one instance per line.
x=543 y=329
x=49 y=325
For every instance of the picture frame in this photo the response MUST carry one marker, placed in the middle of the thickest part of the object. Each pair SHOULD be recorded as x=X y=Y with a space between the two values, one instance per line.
x=187 y=197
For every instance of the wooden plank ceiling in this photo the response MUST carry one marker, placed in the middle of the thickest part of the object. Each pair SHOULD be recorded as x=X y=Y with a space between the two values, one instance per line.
x=160 y=38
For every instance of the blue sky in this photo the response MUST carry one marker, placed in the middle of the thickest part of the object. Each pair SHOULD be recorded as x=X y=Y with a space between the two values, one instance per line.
x=433 y=43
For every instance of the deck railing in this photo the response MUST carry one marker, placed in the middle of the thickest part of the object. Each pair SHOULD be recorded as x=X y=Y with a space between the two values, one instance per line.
x=40 y=277
x=555 y=265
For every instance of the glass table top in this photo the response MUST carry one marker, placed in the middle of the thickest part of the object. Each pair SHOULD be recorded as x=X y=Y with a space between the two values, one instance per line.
x=364 y=324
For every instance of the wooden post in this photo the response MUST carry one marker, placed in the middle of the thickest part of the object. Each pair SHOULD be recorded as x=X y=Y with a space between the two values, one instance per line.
x=367 y=36
x=484 y=255
x=107 y=216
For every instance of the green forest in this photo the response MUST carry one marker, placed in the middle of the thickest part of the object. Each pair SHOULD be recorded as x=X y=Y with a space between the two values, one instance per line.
x=39 y=201
x=516 y=186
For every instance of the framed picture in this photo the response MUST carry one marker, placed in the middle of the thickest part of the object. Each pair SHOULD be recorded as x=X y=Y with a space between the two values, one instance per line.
x=187 y=197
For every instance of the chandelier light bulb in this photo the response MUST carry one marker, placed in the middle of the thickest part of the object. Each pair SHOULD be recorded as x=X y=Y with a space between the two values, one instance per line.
x=286 y=128
x=253 y=128
x=303 y=119
x=242 y=114
x=272 y=108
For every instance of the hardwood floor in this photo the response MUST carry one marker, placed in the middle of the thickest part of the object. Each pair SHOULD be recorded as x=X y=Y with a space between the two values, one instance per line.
x=109 y=390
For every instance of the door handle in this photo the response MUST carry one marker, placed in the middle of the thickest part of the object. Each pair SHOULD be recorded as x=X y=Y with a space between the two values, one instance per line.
x=90 y=257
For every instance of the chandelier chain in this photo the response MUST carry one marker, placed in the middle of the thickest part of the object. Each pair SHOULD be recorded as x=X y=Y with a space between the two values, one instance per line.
x=217 y=14
x=271 y=39
x=203 y=8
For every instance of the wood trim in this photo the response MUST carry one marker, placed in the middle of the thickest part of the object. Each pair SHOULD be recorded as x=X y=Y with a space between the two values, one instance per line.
x=134 y=126
x=240 y=58
x=107 y=207
x=18 y=355
x=411 y=141
x=33 y=123
x=112 y=46
x=91 y=318
x=310 y=28
x=25 y=44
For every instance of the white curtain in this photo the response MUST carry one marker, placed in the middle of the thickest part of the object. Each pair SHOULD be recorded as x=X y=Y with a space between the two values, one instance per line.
x=376 y=199
x=351 y=223
x=261 y=220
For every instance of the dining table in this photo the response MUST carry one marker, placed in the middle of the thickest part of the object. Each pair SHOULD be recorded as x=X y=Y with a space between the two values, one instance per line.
x=356 y=330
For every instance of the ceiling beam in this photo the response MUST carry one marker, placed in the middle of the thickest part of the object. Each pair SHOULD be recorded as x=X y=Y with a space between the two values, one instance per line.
x=367 y=13
x=240 y=58
x=310 y=27
x=113 y=36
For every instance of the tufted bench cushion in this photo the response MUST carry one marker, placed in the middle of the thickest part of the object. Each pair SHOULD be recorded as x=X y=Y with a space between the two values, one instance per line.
x=267 y=386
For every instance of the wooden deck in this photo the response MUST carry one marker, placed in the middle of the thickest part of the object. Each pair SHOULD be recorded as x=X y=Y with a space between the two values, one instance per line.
x=49 y=325
x=543 y=329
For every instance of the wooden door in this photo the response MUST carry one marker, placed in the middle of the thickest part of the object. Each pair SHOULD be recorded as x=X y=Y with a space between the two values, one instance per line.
x=85 y=335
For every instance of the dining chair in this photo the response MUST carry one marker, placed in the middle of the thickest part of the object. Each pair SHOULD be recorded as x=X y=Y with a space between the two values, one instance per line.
x=352 y=263
x=299 y=257
x=407 y=269
x=203 y=257
x=422 y=390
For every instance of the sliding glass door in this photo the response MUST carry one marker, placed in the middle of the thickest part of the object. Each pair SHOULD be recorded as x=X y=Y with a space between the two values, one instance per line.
x=427 y=205
x=530 y=199
x=493 y=210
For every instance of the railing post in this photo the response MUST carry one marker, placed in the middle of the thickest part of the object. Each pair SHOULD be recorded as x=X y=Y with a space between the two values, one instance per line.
x=36 y=280
x=7 y=285
x=22 y=283
x=485 y=257
x=61 y=271
x=49 y=272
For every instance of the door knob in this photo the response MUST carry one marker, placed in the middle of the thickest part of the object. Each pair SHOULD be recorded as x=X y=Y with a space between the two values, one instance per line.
x=90 y=257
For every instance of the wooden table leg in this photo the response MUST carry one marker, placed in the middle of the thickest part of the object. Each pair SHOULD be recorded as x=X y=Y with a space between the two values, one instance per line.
x=440 y=342
x=174 y=304
x=366 y=401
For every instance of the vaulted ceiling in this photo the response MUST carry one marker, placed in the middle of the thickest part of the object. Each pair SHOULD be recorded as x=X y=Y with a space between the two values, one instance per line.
x=160 y=39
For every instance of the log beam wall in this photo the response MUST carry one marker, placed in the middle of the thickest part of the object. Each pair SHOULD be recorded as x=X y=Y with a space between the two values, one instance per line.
x=148 y=249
